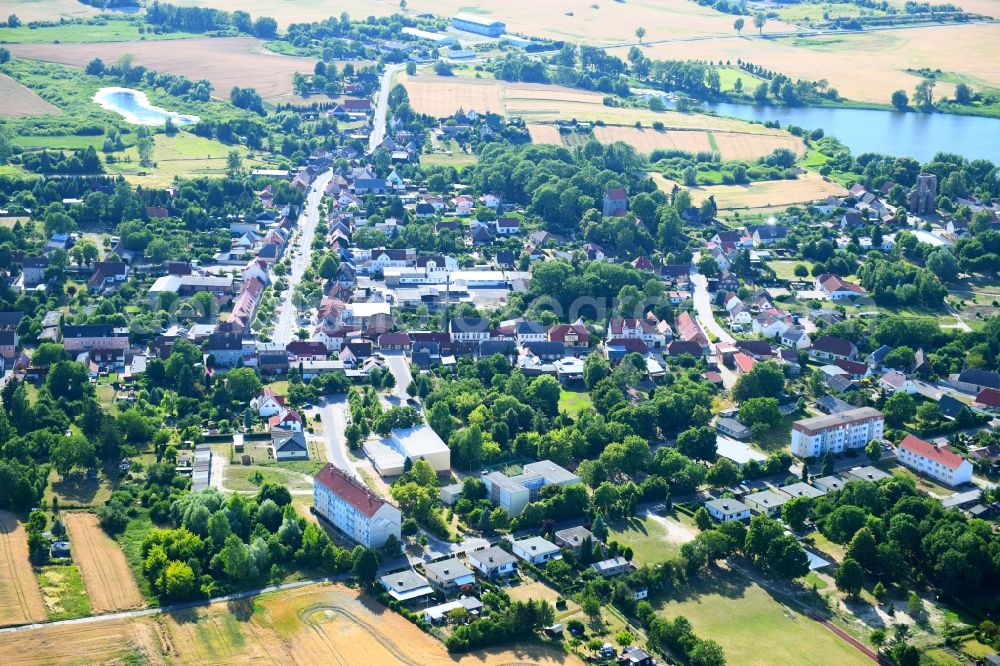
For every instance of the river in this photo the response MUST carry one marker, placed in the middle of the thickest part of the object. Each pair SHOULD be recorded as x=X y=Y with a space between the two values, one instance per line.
x=916 y=135
x=135 y=107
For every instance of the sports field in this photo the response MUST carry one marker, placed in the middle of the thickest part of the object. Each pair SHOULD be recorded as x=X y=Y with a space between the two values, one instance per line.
x=319 y=624
x=226 y=62
x=20 y=101
x=20 y=599
x=754 y=628
x=808 y=187
x=106 y=573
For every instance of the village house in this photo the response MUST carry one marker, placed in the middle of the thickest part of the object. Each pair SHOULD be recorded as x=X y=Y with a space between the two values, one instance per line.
x=493 y=562
x=406 y=586
x=894 y=382
x=828 y=348
x=574 y=538
x=766 y=502
x=836 y=288
x=725 y=510
x=536 y=550
x=574 y=336
x=289 y=444
x=615 y=566
x=94 y=336
x=449 y=575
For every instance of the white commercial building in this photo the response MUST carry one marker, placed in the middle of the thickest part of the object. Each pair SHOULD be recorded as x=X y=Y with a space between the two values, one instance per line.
x=514 y=492
x=420 y=443
x=354 y=509
x=852 y=429
x=936 y=462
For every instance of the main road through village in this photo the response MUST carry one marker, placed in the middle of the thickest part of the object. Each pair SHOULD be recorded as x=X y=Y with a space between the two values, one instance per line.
x=285 y=325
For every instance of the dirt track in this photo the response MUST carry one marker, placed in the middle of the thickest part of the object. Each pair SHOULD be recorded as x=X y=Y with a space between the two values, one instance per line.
x=106 y=573
x=20 y=598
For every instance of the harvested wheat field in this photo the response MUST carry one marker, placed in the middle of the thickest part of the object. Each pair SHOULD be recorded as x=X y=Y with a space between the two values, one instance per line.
x=318 y=624
x=19 y=101
x=731 y=145
x=736 y=146
x=20 y=598
x=808 y=187
x=441 y=96
x=106 y=574
x=865 y=66
x=593 y=23
x=545 y=134
x=647 y=140
x=226 y=62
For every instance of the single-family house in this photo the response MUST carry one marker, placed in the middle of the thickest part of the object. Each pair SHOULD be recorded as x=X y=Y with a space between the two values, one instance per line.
x=724 y=509
x=829 y=348
x=493 y=562
x=406 y=585
x=574 y=538
x=536 y=550
x=615 y=566
x=449 y=575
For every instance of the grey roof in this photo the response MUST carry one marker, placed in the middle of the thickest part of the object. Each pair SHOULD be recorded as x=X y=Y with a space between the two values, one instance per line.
x=725 y=505
x=832 y=482
x=404 y=581
x=978 y=377
x=575 y=535
x=840 y=418
x=450 y=569
x=801 y=489
x=832 y=404
x=612 y=563
x=868 y=473
x=768 y=498
x=493 y=556
x=536 y=545
x=552 y=472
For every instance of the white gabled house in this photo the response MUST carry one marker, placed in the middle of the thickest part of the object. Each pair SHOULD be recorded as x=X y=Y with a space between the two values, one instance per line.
x=267 y=403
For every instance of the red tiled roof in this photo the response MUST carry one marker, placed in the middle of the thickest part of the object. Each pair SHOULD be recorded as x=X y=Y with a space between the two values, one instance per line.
x=558 y=332
x=616 y=193
x=927 y=450
x=743 y=362
x=689 y=329
x=350 y=490
x=989 y=397
x=630 y=344
x=853 y=367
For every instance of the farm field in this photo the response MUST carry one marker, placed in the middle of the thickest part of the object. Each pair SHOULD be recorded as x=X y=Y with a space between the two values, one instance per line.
x=226 y=62
x=545 y=134
x=865 y=66
x=50 y=10
x=806 y=188
x=105 y=31
x=310 y=625
x=19 y=101
x=540 y=103
x=106 y=573
x=754 y=628
x=20 y=599
x=599 y=23
x=731 y=145
x=652 y=538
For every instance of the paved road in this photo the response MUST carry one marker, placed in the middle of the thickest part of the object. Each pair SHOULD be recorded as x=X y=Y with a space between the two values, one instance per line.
x=333 y=412
x=400 y=369
x=285 y=326
x=170 y=608
x=703 y=305
x=382 y=106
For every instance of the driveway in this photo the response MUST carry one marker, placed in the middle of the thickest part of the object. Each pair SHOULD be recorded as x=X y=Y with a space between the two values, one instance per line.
x=285 y=325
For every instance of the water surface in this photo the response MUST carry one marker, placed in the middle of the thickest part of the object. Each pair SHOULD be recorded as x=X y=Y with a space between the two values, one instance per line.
x=134 y=106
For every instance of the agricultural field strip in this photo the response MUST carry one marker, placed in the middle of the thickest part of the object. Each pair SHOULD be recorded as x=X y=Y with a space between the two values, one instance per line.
x=106 y=574
x=16 y=575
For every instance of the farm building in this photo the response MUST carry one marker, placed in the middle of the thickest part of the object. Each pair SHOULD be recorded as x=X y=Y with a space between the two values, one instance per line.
x=478 y=25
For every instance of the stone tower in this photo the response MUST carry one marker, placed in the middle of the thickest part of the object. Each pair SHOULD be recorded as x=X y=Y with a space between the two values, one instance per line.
x=922 y=196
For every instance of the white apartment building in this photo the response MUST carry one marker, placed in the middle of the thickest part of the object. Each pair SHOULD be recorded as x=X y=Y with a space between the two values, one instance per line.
x=353 y=509
x=852 y=429
x=936 y=462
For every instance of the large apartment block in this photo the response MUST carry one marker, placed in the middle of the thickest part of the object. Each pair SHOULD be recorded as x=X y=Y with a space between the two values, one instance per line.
x=514 y=492
x=836 y=432
x=354 y=509
x=936 y=462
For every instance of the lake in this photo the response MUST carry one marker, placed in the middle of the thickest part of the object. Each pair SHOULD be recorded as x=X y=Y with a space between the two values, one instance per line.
x=134 y=106
x=916 y=135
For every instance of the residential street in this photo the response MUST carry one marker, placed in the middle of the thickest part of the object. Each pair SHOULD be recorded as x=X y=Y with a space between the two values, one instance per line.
x=703 y=305
x=286 y=323
x=382 y=106
x=400 y=369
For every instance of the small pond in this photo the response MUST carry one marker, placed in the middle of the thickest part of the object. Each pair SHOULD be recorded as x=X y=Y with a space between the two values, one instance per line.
x=135 y=107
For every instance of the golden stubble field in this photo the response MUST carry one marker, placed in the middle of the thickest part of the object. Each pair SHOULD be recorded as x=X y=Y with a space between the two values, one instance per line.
x=731 y=145
x=594 y=23
x=226 y=62
x=318 y=624
x=20 y=101
x=808 y=187
x=867 y=66
x=20 y=598
x=105 y=571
